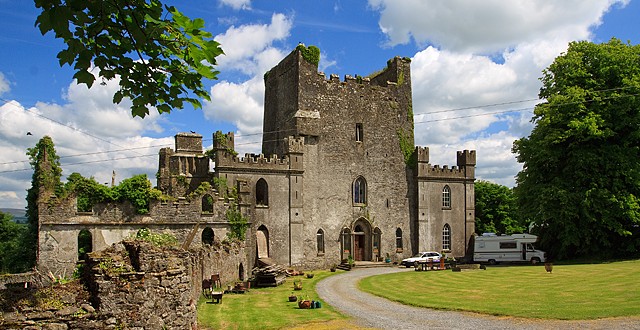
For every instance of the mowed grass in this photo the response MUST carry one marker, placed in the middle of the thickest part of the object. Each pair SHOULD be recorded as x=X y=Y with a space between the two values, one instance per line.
x=570 y=292
x=268 y=308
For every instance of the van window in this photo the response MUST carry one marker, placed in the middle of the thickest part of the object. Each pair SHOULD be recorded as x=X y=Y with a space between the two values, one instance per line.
x=508 y=245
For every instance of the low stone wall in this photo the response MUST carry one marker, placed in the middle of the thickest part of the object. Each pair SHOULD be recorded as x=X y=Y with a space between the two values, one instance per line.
x=131 y=285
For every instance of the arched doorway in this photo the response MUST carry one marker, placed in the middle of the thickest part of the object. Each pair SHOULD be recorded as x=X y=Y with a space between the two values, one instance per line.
x=262 y=242
x=377 y=238
x=362 y=242
x=207 y=236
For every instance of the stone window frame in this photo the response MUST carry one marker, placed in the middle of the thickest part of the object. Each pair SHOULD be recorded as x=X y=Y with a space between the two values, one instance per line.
x=359 y=191
x=320 y=242
x=446 y=197
x=207 y=204
x=399 y=245
x=446 y=237
x=262 y=193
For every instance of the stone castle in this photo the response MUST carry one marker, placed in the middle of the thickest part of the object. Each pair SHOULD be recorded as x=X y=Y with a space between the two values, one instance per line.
x=339 y=177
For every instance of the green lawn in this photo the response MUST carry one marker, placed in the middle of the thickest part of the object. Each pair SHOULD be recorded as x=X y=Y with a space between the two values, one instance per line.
x=571 y=292
x=266 y=308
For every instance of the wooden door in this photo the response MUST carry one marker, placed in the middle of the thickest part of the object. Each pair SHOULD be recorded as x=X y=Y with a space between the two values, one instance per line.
x=358 y=246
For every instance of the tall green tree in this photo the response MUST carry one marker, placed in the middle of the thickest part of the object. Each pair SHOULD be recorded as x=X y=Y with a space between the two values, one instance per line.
x=159 y=55
x=496 y=209
x=581 y=175
x=44 y=181
x=11 y=247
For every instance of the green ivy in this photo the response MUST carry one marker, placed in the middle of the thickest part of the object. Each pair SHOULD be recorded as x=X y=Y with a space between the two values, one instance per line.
x=311 y=54
x=237 y=222
x=408 y=148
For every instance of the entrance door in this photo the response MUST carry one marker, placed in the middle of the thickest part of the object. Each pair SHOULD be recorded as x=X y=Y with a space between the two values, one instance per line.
x=358 y=246
x=262 y=242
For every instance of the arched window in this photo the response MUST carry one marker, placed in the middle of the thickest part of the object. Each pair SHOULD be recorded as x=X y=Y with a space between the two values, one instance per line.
x=262 y=193
x=446 y=237
x=360 y=191
x=320 y=241
x=207 y=204
x=207 y=236
x=377 y=235
x=346 y=243
x=398 y=240
x=85 y=243
x=262 y=242
x=446 y=197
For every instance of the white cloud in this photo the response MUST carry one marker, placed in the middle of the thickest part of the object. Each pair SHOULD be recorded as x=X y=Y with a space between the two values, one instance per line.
x=243 y=45
x=237 y=4
x=4 y=84
x=91 y=135
x=487 y=26
x=456 y=73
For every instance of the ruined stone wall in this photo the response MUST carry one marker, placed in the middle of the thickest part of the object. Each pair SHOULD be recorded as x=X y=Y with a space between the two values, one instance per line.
x=131 y=285
x=61 y=223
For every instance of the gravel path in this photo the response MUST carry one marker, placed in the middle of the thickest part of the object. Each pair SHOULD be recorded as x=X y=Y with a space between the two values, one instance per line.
x=340 y=291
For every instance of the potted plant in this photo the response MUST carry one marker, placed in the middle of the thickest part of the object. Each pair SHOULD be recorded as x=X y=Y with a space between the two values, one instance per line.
x=304 y=303
x=387 y=259
x=309 y=275
x=333 y=268
x=293 y=297
x=297 y=285
x=351 y=262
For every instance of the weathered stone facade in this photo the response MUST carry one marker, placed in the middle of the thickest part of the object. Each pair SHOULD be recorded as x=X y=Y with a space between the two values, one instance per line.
x=130 y=285
x=338 y=180
x=335 y=182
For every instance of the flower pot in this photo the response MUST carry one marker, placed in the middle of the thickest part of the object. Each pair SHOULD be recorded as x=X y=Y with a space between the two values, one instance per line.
x=304 y=304
x=293 y=298
x=309 y=275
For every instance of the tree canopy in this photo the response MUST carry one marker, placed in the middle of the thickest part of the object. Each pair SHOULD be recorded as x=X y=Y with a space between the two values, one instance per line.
x=159 y=55
x=581 y=175
x=496 y=209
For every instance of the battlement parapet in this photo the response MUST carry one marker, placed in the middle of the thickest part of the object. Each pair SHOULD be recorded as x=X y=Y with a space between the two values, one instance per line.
x=467 y=158
x=252 y=162
x=423 y=154
x=295 y=145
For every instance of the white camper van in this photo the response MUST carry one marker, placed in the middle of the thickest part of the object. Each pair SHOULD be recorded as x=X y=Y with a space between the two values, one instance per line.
x=493 y=249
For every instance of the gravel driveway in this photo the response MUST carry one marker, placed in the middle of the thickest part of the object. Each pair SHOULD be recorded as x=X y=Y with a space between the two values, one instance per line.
x=340 y=291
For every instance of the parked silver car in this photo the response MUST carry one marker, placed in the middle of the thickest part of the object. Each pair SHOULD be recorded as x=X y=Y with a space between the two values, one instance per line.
x=422 y=257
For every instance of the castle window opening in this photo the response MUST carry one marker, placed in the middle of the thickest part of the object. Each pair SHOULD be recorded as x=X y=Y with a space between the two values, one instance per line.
x=207 y=204
x=377 y=236
x=241 y=272
x=398 y=240
x=85 y=243
x=360 y=191
x=446 y=237
x=262 y=193
x=346 y=243
x=446 y=197
x=359 y=132
x=207 y=236
x=320 y=241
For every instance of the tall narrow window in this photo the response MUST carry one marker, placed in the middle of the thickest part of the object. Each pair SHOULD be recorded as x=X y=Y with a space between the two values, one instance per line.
x=446 y=237
x=262 y=193
x=398 y=240
x=85 y=243
x=207 y=204
x=360 y=191
x=446 y=197
x=359 y=132
x=320 y=241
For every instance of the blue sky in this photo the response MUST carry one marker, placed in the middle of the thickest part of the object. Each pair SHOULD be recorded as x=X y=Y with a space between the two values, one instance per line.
x=475 y=75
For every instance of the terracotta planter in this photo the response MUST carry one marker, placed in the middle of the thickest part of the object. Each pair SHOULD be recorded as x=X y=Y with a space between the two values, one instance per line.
x=304 y=304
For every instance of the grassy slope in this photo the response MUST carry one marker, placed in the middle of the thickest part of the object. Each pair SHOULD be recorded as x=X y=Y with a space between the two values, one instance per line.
x=572 y=292
x=266 y=308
